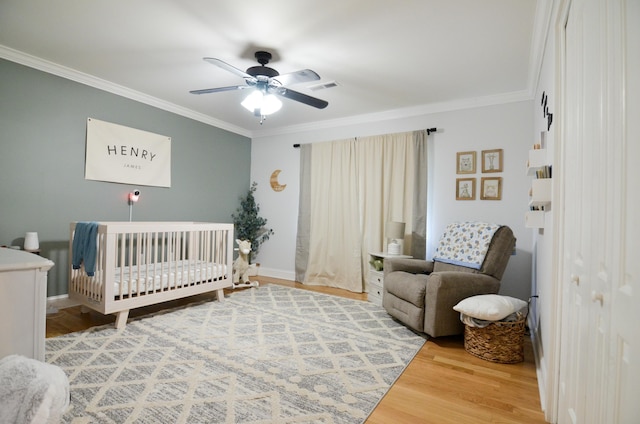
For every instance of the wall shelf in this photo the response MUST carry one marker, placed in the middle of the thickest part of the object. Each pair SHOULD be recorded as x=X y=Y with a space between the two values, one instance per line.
x=537 y=160
x=540 y=193
x=534 y=219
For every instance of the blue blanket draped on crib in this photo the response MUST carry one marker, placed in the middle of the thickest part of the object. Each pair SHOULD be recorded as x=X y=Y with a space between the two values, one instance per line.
x=84 y=247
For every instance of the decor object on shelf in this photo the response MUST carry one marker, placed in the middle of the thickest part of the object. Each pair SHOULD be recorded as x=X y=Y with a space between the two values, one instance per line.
x=421 y=294
x=31 y=243
x=465 y=188
x=266 y=84
x=377 y=264
x=275 y=185
x=248 y=224
x=274 y=354
x=466 y=163
x=545 y=110
x=492 y=160
x=241 y=266
x=395 y=237
x=491 y=188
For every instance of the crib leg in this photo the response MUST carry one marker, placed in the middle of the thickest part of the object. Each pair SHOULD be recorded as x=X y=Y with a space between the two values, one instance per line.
x=220 y=295
x=121 y=319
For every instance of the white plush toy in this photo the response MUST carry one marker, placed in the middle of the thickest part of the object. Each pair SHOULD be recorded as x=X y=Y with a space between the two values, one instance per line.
x=32 y=392
x=241 y=266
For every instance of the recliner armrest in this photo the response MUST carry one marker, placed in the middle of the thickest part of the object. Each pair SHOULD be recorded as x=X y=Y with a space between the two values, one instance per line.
x=413 y=266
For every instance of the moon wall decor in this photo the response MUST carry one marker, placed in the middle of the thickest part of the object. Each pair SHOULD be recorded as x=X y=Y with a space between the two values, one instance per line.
x=275 y=185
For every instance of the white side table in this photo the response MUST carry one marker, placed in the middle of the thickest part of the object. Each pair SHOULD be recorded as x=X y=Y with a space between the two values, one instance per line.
x=23 y=303
x=376 y=277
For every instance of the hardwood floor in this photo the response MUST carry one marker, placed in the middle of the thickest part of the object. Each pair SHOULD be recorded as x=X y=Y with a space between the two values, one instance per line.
x=443 y=384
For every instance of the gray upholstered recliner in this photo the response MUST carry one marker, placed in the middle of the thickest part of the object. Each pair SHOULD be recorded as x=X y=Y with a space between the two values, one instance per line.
x=421 y=294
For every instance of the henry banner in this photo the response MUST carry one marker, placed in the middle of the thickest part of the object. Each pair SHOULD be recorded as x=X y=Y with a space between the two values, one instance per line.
x=120 y=154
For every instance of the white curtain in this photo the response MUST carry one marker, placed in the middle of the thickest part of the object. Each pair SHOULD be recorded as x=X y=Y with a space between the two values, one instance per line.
x=349 y=189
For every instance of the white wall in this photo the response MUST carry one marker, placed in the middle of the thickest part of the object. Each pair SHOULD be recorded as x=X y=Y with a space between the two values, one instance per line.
x=543 y=280
x=505 y=126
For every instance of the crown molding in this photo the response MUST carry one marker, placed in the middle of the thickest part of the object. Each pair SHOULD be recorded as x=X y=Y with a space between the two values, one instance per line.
x=395 y=114
x=402 y=113
x=92 y=81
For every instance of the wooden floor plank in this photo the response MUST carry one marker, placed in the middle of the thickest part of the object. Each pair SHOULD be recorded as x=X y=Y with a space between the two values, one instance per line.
x=442 y=385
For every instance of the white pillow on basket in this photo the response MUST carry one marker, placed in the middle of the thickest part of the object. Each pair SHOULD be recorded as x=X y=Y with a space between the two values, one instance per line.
x=489 y=307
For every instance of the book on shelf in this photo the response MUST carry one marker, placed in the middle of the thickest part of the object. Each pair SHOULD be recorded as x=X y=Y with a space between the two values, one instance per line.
x=544 y=172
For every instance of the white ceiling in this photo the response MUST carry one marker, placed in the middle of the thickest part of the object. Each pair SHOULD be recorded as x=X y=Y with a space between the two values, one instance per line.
x=388 y=58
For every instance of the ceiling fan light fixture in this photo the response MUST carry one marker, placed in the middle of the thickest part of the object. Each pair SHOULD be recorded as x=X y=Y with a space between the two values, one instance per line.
x=261 y=104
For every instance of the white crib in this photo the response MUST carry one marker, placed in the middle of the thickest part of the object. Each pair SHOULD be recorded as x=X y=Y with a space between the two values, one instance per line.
x=144 y=263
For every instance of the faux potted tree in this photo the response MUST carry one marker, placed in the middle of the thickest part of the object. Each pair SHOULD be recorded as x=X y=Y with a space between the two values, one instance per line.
x=249 y=225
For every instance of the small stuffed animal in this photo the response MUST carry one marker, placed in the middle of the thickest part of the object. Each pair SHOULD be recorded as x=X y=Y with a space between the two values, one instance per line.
x=241 y=265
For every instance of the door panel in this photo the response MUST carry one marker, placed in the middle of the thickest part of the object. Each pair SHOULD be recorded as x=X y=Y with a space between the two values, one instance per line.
x=624 y=378
x=600 y=340
x=575 y=224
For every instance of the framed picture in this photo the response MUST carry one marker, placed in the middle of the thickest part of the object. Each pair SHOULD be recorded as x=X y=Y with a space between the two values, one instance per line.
x=492 y=160
x=466 y=163
x=465 y=188
x=491 y=188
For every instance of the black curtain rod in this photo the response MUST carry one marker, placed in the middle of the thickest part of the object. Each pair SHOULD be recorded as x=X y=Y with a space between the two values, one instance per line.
x=429 y=131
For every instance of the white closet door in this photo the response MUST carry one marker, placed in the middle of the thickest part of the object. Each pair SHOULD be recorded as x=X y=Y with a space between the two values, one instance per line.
x=624 y=377
x=600 y=343
x=601 y=188
x=576 y=226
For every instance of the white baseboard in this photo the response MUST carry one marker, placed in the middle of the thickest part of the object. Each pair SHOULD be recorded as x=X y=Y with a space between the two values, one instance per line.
x=277 y=273
x=541 y=367
x=55 y=303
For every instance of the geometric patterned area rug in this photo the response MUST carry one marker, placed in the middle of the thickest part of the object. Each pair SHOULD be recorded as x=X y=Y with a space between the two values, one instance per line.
x=272 y=354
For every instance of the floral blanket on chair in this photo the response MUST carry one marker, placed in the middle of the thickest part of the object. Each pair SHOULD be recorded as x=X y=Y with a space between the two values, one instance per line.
x=465 y=243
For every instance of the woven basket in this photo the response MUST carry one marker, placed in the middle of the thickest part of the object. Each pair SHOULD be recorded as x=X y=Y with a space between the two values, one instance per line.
x=501 y=341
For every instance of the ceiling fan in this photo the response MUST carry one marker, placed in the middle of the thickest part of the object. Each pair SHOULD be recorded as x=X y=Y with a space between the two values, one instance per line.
x=267 y=81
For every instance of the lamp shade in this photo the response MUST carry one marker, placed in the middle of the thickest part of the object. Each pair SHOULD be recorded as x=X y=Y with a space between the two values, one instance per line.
x=395 y=230
x=261 y=104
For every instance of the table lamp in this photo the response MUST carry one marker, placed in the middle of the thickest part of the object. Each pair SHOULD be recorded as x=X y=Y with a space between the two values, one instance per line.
x=395 y=237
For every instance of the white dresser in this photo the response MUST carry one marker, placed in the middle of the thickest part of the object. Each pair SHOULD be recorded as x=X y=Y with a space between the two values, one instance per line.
x=23 y=303
x=376 y=278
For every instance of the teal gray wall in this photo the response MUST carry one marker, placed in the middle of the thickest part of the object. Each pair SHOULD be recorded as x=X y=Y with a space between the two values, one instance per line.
x=42 y=151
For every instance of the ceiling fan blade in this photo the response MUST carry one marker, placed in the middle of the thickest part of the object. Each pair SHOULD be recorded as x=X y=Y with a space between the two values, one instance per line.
x=219 y=89
x=304 y=75
x=224 y=65
x=302 y=98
